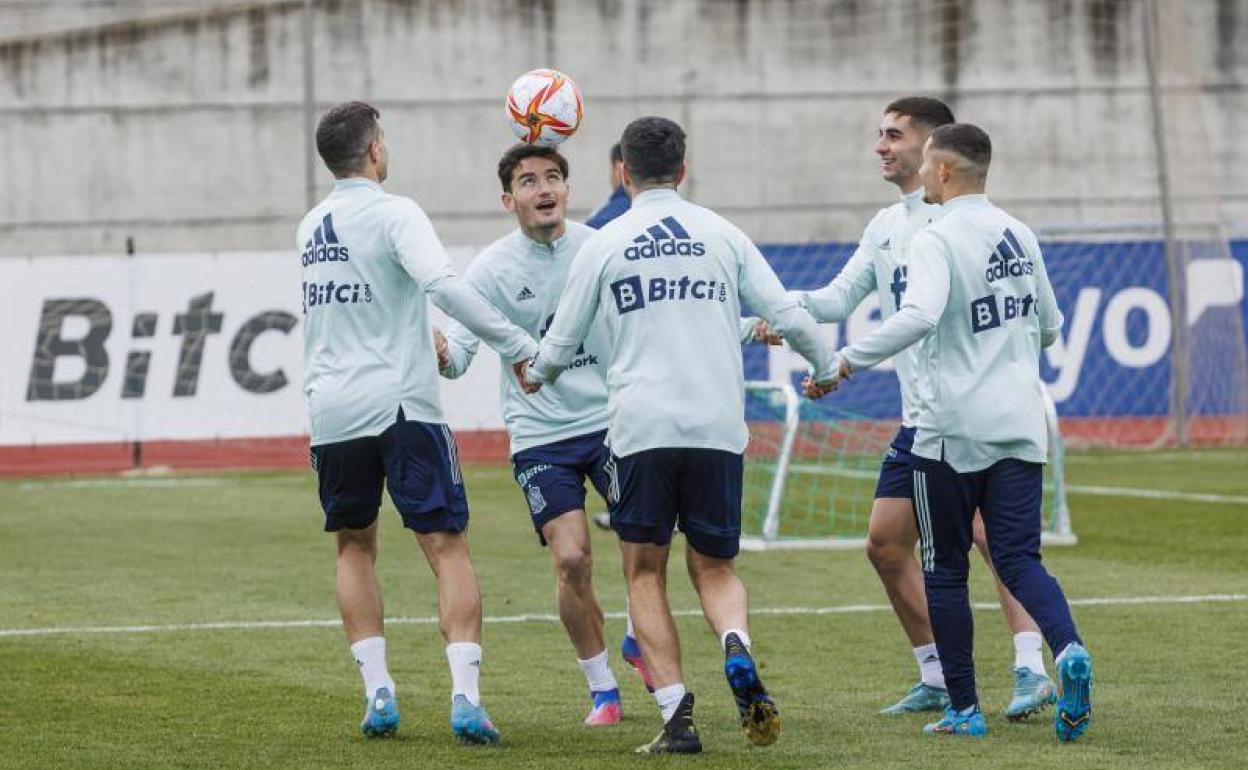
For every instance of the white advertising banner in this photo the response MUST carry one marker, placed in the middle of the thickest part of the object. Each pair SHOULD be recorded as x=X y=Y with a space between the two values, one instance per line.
x=172 y=346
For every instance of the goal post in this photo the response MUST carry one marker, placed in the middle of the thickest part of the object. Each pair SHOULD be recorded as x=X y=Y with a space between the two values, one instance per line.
x=811 y=467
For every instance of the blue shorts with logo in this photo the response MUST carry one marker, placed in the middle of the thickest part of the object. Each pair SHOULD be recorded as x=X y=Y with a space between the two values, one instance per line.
x=896 y=471
x=417 y=462
x=553 y=476
x=697 y=489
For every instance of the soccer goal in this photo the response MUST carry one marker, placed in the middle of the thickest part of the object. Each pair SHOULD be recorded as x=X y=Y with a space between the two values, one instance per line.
x=811 y=468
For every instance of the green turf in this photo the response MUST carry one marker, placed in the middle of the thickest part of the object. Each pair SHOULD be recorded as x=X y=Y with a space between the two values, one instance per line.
x=249 y=547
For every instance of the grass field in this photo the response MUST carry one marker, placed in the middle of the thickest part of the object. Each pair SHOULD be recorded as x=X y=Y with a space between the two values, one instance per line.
x=85 y=557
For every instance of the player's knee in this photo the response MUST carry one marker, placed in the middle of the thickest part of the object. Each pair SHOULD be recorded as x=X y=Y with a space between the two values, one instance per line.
x=574 y=565
x=706 y=569
x=357 y=541
x=947 y=574
x=1011 y=566
x=443 y=547
x=888 y=558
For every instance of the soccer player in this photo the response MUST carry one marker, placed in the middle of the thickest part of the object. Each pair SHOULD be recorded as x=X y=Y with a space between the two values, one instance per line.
x=618 y=202
x=369 y=260
x=669 y=277
x=558 y=435
x=982 y=306
x=879 y=265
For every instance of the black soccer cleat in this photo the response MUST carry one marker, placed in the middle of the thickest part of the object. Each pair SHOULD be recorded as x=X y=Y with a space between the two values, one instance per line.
x=760 y=719
x=679 y=736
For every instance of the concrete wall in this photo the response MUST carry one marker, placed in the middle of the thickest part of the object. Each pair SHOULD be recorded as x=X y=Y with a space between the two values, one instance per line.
x=180 y=125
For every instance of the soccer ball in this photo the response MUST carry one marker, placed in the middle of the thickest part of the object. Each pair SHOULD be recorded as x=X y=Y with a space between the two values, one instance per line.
x=544 y=107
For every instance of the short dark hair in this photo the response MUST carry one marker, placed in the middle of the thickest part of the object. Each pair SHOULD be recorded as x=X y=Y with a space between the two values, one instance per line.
x=653 y=149
x=923 y=110
x=344 y=134
x=518 y=152
x=969 y=141
x=617 y=153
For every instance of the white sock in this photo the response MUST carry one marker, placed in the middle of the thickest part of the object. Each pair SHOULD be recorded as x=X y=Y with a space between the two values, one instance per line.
x=1027 y=646
x=598 y=673
x=669 y=698
x=370 y=658
x=745 y=638
x=929 y=665
x=628 y=621
x=465 y=660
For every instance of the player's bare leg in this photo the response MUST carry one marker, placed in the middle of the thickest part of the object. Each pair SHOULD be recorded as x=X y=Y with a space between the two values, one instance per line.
x=359 y=603
x=725 y=604
x=645 y=570
x=891 y=538
x=459 y=595
x=1033 y=689
x=568 y=540
x=567 y=537
x=459 y=617
x=359 y=594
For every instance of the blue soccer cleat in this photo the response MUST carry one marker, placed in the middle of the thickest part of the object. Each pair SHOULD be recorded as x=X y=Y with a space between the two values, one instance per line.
x=968 y=723
x=630 y=651
x=471 y=724
x=381 y=714
x=760 y=719
x=921 y=697
x=1074 y=707
x=1032 y=694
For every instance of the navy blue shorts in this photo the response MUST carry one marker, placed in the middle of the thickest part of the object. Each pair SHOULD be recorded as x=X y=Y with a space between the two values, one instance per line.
x=553 y=476
x=897 y=468
x=697 y=489
x=419 y=465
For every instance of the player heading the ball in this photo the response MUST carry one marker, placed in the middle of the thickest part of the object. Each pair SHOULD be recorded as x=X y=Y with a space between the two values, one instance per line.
x=558 y=436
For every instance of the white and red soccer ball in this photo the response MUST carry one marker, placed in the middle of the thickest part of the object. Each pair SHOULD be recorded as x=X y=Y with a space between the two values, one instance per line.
x=544 y=107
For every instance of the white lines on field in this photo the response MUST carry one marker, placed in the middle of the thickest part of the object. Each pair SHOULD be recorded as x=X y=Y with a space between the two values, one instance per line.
x=1079 y=489
x=540 y=617
x=1157 y=494
x=832 y=470
x=1187 y=455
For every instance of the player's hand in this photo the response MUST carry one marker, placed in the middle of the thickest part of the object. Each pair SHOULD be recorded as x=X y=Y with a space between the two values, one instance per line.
x=521 y=369
x=764 y=333
x=817 y=390
x=443 y=350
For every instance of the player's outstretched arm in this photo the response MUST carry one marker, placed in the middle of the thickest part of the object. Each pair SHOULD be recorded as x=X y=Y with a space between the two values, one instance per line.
x=577 y=307
x=919 y=313
x=460 y=301
x=834 y=302
x=456 y=348
x=422 y=255
x=762 y=290
x=831 y=304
